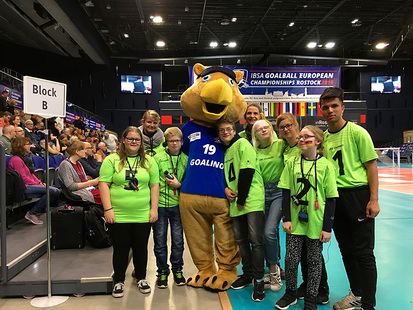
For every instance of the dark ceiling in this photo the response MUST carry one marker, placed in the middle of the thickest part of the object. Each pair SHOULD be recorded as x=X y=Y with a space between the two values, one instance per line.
x=96 y=29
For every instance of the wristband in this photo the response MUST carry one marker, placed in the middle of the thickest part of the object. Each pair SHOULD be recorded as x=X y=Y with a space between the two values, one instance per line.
x=108 y=209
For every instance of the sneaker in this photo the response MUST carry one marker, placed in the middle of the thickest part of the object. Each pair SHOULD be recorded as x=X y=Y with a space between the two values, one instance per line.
x=282 y=272
x=179 y=277
x=258 y=293
x=118 y=290
x=162 y=279
x=33 y=218
x=144 y=287
x=273 y=281
x=323 y=295
x=301 y=291
x=241 y=282
x=289 y=299
x=348 y=302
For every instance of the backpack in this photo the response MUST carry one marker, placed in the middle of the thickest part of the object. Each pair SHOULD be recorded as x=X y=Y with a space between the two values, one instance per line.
x=95 y=229
x=15 y=187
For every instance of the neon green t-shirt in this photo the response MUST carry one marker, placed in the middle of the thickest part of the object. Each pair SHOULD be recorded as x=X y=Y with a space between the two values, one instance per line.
x=241 y=155
x=271 y=162
x=347 y=150
x=130 y=206
x=291 y=152
x=176 y=165
x=326 y=188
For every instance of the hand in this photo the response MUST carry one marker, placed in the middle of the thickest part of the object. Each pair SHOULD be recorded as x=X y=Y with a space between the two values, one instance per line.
x=98 y=157
x=230 y=194
x=110 y=216
x=174 y=183
x=153 y=215
x=372 y=209
x=288 y=226
x=94 y=182
x=239 y=206
x=325 y=236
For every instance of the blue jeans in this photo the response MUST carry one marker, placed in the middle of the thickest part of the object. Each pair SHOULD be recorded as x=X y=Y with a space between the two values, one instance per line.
x=248 y=234
x=40 y=191
x=273 y=202
x=160 y=233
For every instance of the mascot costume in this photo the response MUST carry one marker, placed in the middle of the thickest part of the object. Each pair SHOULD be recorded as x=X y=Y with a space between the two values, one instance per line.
x=203 y=204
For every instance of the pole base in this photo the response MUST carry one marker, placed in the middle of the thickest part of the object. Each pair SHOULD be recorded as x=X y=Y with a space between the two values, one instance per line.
x=44 y=302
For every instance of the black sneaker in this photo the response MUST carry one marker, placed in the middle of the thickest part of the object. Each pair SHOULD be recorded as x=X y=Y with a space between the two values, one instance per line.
x=323 y=295
x=144 y=287
x=118 y=290
x=241 y=282
x=301 y=291
x=179 y=277
x=162 y=279
x=289 y=298
x=258 y=294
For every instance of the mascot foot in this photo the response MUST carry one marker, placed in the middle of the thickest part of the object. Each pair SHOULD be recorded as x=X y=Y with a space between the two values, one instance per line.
x=222 y=280
x=198 y=279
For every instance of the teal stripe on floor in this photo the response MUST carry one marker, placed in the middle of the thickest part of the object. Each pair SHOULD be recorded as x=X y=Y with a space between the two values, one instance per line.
x=394 y=255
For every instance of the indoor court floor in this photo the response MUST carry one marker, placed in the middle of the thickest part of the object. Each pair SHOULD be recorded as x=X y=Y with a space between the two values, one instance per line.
x=394 y=239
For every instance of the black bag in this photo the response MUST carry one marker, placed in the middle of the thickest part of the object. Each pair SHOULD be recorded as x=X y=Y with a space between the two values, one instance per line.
x=15 y=187
x=95 y=229
x=67 y=228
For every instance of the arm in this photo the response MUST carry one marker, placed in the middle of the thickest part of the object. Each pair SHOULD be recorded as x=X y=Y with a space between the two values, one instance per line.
x=244 y=184
x=66 y=175
x=287 y=225
x=328 y=220
x=153 y=214
x=94 y=173
x=107 y=205
x=372 y=209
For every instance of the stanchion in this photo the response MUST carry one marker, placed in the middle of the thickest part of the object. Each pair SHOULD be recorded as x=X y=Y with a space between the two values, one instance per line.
x=49 y=300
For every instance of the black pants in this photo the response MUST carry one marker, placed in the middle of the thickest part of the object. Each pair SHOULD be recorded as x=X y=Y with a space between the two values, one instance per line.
x=355 y=236
x=124 y=237
x=304 y=270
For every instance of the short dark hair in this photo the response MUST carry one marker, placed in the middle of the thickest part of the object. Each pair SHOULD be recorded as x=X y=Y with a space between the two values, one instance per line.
x=225 y=120
x=331 y=93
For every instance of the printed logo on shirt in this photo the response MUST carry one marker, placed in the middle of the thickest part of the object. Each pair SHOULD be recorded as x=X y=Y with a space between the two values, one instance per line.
x=194 y=136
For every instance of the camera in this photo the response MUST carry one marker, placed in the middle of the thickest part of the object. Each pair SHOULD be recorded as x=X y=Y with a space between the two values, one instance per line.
x=133 y=184
x=168 y=175
x=303 y=216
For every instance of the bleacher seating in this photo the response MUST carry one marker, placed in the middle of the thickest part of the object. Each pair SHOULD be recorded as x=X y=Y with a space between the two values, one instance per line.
x=40 y=166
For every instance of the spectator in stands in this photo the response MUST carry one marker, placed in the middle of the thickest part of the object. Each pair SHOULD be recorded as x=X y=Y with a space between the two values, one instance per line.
x=60 y=124
x=29 y=131
x=54 y=145
x=33 y=117
x=52 y=126
x=78 y=123
x=102 y=151
x=73 y=176
x=10 y=106
x=5 y=120
x=15 y=120
x=19 y=131
x=3 y=100
x=39 y=127
x=8 y=135
x=67 y=132
x=63 y=143
x=111 y=141
x=20 y=146
x=92 y=162
x=23 y=116
x=79 y=134
x=153 y=137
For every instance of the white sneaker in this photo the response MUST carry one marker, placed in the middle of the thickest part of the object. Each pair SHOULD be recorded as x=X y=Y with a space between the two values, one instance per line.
x=348 y=303
x=273 y=280
x=144 y=287
x=118 y=290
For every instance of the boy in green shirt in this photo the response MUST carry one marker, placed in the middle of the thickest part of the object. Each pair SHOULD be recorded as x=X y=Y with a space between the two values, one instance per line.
x=245 y=192
x=172 y=166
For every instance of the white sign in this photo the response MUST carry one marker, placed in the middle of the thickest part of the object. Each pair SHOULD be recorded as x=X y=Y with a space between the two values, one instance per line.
x=43 y=97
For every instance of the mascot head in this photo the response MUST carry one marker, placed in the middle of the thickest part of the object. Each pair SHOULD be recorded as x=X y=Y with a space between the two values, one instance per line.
x=214 y=94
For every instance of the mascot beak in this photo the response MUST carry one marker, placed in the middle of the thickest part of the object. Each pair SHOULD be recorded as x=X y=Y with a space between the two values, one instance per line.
x=216 y=96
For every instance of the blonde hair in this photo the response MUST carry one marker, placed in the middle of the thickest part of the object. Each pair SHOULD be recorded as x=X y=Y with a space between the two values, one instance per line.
x=319 y=135
x=286 y=116
x=172 y=131
x=152 y=114
x=255 y=141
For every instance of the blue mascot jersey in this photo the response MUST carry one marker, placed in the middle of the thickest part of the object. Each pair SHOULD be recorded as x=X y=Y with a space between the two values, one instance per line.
x=205 y=169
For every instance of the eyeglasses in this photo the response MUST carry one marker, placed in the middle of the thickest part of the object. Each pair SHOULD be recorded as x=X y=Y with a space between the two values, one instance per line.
x=28 y=143
x=286 y=127
x=304 y=137
x=174 y=141
x=263 y=128
x=228 y=129
x=130 y=140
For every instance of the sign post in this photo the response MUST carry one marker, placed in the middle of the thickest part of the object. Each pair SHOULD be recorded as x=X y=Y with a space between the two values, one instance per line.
x=47 y=99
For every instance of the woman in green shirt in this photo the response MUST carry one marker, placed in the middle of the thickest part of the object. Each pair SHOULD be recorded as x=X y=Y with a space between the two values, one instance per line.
x=129 y=189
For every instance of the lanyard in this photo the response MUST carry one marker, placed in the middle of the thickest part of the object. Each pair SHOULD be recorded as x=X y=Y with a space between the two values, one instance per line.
x=134 y=168
x=174 y=168
x=80 y=176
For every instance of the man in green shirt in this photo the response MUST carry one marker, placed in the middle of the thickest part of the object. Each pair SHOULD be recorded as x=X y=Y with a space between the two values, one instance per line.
x=350 y=149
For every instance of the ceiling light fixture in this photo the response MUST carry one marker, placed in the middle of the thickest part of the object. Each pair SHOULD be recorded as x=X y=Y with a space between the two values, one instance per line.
x=224 y=22
x=381 y=45
x=312 y=44
x=234 y=19
x=330 y=45
x=355 y=21
x=213 y=44
x=160 y=43
x=126 y=35
x=108 y=7
x=157 y=19
x=291 y=24
x=89 y=4
x=238 y=61
x=232 y=44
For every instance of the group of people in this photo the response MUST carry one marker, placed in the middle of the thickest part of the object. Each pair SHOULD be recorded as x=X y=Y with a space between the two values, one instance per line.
x=313 y=181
